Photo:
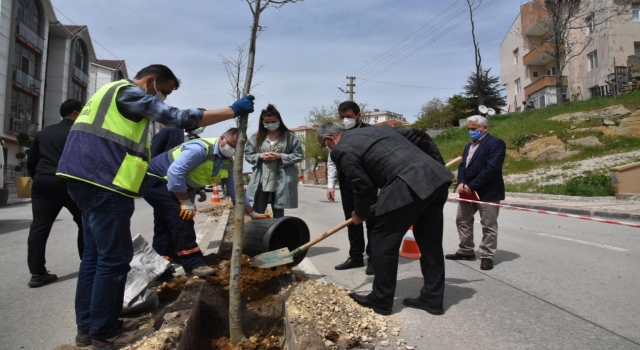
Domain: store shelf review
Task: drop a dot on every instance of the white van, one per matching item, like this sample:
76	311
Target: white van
4	191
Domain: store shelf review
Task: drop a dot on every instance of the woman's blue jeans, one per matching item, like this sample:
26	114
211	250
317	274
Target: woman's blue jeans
108	250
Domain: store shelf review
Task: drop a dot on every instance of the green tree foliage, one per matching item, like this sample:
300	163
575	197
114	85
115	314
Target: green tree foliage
314	154
434	114
492	91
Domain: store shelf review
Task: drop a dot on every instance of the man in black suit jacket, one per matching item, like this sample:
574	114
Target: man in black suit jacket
480	172
49	192
413	191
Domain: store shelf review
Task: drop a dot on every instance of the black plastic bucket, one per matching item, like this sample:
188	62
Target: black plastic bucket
265	235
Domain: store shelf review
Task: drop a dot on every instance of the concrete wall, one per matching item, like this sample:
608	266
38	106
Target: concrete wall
98	77
6	24
58	77
509	70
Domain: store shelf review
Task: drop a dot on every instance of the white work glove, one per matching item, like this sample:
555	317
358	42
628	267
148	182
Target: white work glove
258	216
187	210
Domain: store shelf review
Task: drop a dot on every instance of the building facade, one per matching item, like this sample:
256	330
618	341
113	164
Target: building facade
529	73
378	116
42	64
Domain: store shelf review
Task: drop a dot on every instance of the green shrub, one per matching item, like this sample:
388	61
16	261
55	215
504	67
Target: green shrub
590	186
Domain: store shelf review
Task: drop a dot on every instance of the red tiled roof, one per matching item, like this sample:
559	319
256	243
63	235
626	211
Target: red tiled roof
113	64
392	123
73	29
300	128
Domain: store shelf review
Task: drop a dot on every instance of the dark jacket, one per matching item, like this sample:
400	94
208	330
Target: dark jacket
484	173
424	142
46	148
166	139
381	158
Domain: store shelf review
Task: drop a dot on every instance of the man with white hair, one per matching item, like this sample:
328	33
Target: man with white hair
480	173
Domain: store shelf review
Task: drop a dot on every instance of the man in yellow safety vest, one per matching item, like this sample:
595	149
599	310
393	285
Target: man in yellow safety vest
105	161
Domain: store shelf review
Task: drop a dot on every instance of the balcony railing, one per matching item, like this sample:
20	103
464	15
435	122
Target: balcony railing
539	55
546	81
26	81
81	76
27	34
18	125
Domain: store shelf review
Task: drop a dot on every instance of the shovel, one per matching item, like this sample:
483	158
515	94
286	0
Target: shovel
283	256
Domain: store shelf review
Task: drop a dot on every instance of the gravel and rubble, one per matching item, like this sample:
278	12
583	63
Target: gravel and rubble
340	321
558	174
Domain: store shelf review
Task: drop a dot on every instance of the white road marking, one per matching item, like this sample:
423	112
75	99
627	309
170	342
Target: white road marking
585	242
310	270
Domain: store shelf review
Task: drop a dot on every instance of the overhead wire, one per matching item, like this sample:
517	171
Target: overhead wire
411	44
403	40
376	73
94	40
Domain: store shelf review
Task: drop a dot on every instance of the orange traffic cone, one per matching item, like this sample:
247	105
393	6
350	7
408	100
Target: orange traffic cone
409	247
215	195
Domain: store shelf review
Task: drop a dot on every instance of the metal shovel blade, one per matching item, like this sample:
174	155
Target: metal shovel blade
273	258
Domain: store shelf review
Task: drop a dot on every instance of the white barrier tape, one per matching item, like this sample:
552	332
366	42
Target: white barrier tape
549	212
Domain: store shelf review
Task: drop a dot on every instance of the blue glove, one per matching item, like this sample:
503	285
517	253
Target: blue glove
243	106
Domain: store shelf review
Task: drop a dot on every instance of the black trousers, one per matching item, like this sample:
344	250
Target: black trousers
355	233
48	195
386	238
261	200
173	237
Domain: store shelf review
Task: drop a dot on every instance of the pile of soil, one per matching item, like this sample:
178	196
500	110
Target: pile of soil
341	322
262	309
216	210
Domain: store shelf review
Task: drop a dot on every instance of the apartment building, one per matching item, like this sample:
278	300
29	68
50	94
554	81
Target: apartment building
42	64
378	116
529	73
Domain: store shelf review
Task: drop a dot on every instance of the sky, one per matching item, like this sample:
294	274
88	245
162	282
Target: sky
403	53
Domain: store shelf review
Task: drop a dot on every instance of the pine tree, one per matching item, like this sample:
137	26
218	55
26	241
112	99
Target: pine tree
490	88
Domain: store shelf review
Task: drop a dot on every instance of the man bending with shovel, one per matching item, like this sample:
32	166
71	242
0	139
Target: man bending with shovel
413	191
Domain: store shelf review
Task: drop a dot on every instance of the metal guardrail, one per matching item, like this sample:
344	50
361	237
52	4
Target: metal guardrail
81	76
26	81
10	173
30	36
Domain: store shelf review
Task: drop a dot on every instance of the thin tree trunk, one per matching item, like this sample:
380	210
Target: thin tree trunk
476	50
235	301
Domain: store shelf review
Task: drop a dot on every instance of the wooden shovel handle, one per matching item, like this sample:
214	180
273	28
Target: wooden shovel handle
454	161
330	232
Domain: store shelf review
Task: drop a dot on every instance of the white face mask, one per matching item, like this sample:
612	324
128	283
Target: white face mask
348	123
271	126
158	94
198	131
227	151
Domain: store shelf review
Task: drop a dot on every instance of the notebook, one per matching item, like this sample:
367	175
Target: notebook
471	196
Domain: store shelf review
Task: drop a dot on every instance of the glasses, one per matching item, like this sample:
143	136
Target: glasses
324	144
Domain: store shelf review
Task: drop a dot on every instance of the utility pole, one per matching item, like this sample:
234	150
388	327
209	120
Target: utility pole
351	85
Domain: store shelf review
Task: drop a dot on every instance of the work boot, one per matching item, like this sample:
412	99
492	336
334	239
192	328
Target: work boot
40	280
203	271
350	264
120	339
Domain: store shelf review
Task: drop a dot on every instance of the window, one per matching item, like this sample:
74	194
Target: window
551	71
541	101
591	24
80	55
636	13
29	14
593	60
636	47
23	106
518	86
516	56
77	92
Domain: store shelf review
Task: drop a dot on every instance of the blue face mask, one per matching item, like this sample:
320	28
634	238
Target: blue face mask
475	134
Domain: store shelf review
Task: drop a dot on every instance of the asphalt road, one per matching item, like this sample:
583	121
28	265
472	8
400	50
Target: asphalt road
558	282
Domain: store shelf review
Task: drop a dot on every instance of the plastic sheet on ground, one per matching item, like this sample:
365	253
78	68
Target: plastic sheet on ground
146	265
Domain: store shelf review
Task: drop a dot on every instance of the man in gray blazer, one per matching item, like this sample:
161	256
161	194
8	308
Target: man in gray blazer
413	191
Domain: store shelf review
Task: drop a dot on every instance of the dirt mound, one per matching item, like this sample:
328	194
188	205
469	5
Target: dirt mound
341	322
